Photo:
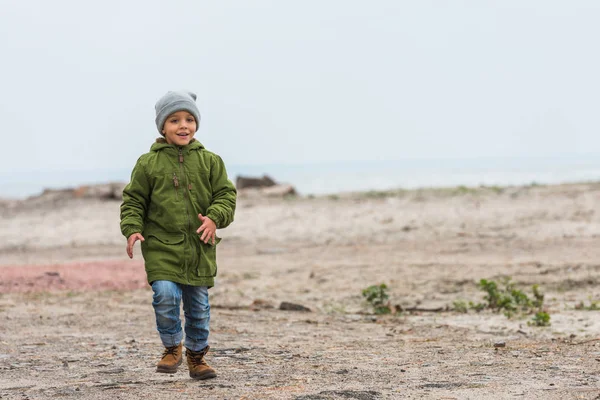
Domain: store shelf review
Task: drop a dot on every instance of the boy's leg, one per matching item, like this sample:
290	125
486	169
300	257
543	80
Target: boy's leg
197	318
166	303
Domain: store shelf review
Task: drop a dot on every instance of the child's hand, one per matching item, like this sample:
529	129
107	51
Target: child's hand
131	241
209	228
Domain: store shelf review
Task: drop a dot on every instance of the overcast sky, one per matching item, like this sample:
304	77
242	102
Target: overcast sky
299	81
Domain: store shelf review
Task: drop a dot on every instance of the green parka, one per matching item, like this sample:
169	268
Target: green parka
169	187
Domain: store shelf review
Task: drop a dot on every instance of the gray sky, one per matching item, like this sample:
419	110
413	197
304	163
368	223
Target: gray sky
299	82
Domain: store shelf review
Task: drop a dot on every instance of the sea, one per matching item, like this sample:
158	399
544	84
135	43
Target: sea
349	176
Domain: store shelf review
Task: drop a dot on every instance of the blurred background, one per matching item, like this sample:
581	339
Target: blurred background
326	95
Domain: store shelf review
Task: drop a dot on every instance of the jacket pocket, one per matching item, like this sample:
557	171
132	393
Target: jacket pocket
208	259
164	251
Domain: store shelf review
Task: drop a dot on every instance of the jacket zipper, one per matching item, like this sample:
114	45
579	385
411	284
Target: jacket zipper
187	211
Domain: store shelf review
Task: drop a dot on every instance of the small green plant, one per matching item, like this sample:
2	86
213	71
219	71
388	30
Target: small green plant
505	300
509	300
377	297
540	318
477	306
539	296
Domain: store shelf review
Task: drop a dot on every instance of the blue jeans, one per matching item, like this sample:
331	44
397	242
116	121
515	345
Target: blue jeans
166	301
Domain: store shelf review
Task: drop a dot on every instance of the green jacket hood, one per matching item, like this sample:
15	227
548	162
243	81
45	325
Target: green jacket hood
162	144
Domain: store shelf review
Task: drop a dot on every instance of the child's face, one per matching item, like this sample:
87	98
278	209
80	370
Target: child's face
179	128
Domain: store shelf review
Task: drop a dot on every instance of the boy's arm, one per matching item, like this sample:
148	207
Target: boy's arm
136	197
222	208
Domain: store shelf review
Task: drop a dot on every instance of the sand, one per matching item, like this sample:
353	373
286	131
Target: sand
78	322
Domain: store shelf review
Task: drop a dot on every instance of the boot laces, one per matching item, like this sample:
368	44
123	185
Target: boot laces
197	358
170	351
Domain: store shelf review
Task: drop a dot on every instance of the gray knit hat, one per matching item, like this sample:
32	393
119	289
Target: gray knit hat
181	100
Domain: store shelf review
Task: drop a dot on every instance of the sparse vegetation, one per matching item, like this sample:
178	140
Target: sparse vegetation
420	194
508	299
495	189
460	190
460	306
373	194
382	194
540	318
378	298
593	306
504	297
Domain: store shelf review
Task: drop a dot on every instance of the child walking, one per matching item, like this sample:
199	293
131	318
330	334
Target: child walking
178	196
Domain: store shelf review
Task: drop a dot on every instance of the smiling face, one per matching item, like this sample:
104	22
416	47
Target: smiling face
179	128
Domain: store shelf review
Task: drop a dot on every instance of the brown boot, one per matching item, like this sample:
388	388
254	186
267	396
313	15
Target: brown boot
171	359
199	369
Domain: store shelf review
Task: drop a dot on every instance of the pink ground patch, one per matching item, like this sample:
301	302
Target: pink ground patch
100	275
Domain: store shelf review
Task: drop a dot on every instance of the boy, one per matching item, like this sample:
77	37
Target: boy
178	196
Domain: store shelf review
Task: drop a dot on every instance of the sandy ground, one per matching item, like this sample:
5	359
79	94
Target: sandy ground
77	319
